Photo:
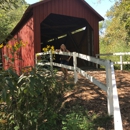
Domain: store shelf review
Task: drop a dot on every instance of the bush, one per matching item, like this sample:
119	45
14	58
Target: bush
30	101
77	121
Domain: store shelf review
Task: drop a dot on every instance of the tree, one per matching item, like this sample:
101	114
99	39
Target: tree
11	4
9	17
117	33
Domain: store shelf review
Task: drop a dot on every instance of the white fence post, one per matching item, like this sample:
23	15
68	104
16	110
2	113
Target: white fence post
116	107
109	88
97	57
121	54
51	61
121	61
75	67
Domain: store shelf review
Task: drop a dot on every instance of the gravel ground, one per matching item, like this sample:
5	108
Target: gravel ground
94	99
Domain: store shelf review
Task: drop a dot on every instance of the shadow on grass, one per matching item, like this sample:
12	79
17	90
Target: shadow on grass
79	113
76	117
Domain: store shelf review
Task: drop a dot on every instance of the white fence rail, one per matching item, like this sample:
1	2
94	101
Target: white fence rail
110	87
120	54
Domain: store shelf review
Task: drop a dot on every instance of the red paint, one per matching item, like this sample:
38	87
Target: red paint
75	8
25	53
28	29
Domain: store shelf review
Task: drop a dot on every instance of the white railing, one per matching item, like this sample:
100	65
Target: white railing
120	54
110	87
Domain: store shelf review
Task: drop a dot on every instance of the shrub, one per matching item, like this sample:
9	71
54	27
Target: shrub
30	101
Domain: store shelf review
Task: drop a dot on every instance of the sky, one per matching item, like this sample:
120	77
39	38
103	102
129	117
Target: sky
101	7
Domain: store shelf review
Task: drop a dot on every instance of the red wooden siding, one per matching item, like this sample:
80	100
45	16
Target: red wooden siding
28	29
27	35
26	53
74	8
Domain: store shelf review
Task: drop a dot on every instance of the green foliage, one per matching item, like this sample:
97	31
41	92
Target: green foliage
78	118
10	4
117	31
116	37
14	54
31	101
77	121
9	17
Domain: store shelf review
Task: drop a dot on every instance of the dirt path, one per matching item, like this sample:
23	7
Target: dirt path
94	99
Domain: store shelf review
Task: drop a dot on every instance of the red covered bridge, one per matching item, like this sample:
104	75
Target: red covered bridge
53	22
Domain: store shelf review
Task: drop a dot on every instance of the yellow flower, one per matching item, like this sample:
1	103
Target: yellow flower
9	46
15	45
48	46
1	45
44	49
24	44
52	48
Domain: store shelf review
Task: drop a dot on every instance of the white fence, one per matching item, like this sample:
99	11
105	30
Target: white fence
120	54
110	87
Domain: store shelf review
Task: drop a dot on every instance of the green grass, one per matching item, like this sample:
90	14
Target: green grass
78	118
